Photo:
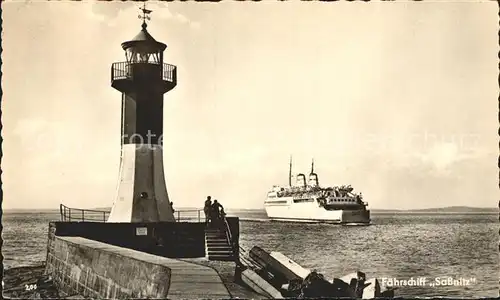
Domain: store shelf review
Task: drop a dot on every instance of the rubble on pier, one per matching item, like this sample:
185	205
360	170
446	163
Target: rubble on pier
277	276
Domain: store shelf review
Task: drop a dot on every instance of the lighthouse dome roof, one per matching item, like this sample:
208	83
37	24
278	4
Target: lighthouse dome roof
144	42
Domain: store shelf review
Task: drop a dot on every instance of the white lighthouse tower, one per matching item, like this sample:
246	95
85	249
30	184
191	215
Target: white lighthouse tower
142	79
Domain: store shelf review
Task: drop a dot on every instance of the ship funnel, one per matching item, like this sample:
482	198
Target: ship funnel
313	177
301	180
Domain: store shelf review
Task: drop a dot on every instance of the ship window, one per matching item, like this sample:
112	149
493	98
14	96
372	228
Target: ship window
276	202
303	200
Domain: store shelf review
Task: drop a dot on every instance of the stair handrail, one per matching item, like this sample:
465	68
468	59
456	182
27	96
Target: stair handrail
229	238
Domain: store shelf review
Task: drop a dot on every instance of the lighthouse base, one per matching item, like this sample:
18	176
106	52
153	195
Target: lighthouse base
142	193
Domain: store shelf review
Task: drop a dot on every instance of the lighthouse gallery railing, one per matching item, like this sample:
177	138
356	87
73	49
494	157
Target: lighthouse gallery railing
122	70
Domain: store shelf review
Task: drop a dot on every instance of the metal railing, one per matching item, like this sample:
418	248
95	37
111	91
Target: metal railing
69	214
123	70
169	73
189	215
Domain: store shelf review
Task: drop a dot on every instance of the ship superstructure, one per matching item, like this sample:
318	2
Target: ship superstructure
307	201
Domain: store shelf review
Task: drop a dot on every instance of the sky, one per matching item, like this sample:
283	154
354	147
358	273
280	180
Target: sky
398	99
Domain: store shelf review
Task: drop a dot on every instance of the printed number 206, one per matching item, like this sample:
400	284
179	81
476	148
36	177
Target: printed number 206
30	287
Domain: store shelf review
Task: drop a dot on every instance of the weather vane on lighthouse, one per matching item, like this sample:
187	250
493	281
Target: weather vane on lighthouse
145	14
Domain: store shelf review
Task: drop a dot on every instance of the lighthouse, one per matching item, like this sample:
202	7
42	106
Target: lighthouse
143	78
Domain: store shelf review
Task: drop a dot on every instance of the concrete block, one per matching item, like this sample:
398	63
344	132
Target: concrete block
259	285
372	290
290	264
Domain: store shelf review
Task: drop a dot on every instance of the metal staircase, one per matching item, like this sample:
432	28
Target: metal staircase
218	243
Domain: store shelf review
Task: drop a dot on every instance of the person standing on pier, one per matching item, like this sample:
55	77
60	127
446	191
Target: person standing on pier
207	209
216	211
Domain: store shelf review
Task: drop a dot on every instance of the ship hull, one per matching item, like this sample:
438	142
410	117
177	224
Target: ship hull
311	212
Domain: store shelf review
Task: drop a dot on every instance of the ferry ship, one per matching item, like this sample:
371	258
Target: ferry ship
307	201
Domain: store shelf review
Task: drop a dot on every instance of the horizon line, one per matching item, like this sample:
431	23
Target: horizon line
262	208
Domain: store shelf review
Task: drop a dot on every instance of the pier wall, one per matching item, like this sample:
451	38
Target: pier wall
168	239
113	260
84	267
165	239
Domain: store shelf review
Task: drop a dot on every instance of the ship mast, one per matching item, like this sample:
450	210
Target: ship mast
313	177
290	173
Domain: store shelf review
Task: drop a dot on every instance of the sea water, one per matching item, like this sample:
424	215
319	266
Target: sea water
423	254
